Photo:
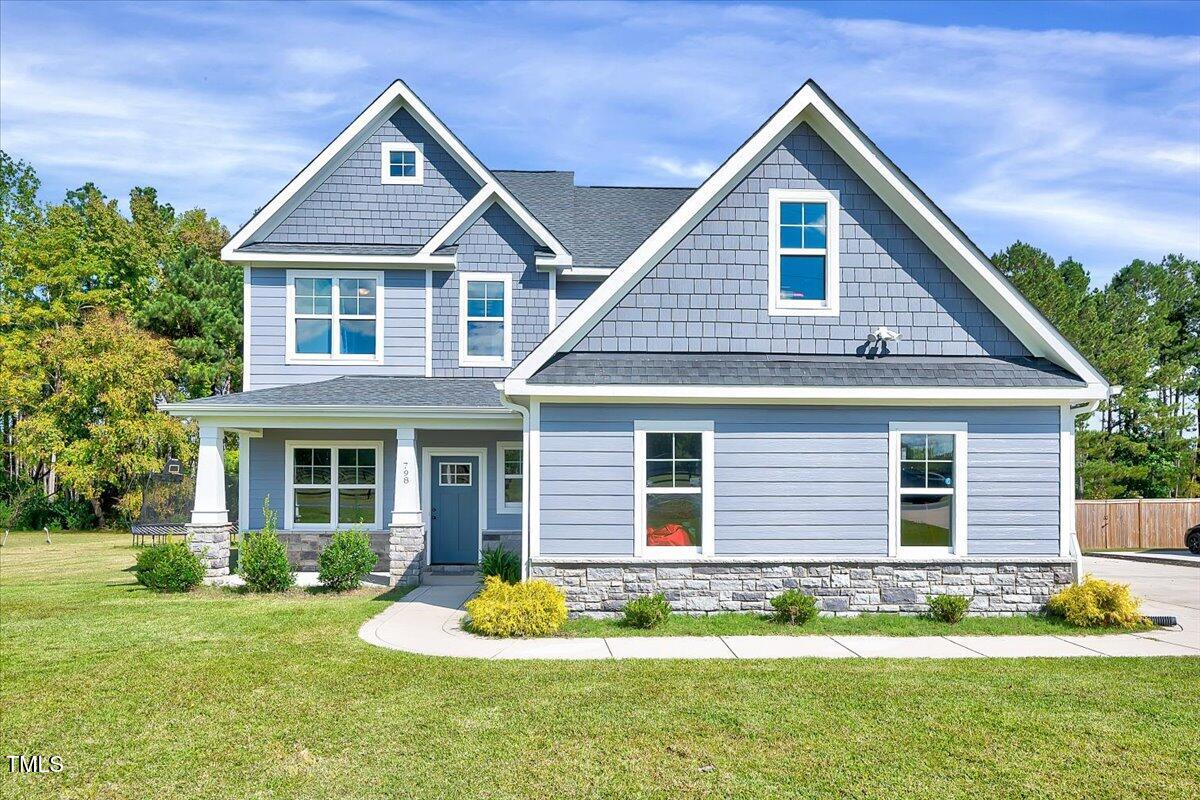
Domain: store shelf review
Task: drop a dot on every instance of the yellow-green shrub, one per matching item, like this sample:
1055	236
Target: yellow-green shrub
1096	603
528	608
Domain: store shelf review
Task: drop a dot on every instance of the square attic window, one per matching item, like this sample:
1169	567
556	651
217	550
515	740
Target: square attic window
402	163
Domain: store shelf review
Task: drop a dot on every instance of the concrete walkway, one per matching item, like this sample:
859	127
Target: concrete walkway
429	619
1180	558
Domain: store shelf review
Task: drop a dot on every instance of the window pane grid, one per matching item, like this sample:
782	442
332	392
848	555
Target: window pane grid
485	301
334	481
345	305
673	501
402	163
927	494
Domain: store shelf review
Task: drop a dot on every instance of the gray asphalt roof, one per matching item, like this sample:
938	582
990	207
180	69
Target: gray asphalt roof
599	225
753	369
364	390
341	249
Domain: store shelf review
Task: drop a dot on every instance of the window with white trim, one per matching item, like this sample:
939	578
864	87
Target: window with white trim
674	514
402	162
454	473
485	319
929	504
803	241
334	316
510	477
334	485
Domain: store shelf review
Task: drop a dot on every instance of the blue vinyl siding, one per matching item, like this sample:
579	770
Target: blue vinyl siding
403	331
569	294
801	480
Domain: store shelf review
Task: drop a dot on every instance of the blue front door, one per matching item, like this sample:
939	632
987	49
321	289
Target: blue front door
454	509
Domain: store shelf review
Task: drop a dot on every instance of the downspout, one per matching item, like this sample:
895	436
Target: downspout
1077	411
525	482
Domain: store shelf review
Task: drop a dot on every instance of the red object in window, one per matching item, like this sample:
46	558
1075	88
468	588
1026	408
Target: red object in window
670	535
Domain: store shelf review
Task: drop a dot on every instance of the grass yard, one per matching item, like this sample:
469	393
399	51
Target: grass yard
735	624
218	695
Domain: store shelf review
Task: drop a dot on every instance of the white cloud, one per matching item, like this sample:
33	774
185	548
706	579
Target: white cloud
695	171
323	61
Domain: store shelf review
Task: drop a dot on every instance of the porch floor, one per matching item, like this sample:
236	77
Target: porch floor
429	620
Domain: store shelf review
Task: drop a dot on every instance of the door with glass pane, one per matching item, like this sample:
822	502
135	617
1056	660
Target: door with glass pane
454	510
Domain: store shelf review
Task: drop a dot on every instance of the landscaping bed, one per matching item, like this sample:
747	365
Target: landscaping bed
218	694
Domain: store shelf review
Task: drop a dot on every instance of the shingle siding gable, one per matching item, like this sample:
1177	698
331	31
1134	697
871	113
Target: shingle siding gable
709	294
495	243
353	206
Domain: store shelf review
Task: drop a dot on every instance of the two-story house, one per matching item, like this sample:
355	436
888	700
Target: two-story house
800	373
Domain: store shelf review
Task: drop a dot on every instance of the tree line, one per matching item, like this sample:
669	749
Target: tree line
105	313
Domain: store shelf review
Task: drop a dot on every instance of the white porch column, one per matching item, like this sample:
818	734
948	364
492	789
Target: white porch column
208	532
210	507
407	526
406	501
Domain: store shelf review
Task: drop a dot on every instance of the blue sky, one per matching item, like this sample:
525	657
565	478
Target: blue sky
1072	126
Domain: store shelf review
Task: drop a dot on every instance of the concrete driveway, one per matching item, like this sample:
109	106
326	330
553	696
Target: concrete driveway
1164	589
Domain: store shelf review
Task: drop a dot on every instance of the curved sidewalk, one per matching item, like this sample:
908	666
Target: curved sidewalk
428	621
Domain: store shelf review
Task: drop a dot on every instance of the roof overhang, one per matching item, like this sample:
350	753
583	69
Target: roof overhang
816	395
397	95
810	104
318	416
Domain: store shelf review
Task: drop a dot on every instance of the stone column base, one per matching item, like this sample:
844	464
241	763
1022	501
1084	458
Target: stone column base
407	552
211	544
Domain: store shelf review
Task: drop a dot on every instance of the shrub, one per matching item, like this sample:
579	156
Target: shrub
949	607
1096	603
528	608
262	558
647	612
169	568
504	564
346	560
794	607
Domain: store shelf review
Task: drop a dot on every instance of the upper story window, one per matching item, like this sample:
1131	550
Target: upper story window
402	163
334	317
485	319
673	467
803	257
928	503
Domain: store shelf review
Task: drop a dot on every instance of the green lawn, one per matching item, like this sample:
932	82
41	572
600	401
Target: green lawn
218	695
735	624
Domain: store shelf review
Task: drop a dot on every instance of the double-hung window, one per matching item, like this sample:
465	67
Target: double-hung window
673	470
402	162
333	484
928	504
803	252
334	316
510	477
485	319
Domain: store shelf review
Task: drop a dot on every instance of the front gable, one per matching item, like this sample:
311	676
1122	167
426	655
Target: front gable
353	205
900	247
710	293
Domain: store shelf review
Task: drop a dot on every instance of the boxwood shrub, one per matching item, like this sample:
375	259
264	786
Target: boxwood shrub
171	567
794	607
262	558
949	608
647	612
346	559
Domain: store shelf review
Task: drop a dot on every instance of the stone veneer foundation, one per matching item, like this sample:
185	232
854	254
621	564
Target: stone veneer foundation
600	587
211	544
406	551
304	548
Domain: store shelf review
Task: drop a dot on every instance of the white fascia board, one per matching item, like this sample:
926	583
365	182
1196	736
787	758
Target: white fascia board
835	395
809	105
316	259
585	273
462	220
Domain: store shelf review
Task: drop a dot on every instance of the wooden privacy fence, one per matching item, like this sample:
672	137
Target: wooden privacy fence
1117	524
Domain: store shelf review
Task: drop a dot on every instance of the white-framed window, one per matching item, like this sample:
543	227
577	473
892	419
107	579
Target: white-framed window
333	485
402	162
334	316
804	277
510	477
927	477
673	475
485	319
454	473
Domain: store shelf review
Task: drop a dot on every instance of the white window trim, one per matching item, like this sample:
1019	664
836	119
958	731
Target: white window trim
707	484
777	306
502	506
386	150
289	522
958	548
465	360
334	357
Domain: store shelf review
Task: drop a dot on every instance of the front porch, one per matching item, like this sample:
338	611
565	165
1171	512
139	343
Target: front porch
432	487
